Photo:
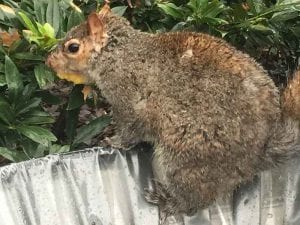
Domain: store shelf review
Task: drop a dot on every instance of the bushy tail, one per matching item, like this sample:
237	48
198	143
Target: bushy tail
290	99
285	142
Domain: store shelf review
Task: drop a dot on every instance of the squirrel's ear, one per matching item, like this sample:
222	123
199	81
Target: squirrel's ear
104	11
95	25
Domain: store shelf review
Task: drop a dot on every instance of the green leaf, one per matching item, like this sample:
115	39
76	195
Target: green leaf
256	6
283	16
6	12
40	10
48	97
88	131
197	5
35	117
31	37
213	21
296	31
3	127
34	113
71	123
45	41
53	14
28	56
12	155
13	78
28	23
37	134
76	98
214	8
74	19
179	26
55	149
6	114
24	107
48	30
171	9
28	90
119	10
8	154
262	28
38	120
2	80
43	75
30	148
37	152
2	70
2	51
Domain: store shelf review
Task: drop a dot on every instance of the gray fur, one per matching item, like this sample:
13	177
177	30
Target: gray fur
211	111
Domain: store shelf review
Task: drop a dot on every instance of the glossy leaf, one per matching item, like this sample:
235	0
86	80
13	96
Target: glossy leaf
2	51
37	134
88	131
40	10
296	31
262	28
46	30
71	123
43	75
284	15
171	9
76	98
49	98
28	23
74	19
214	8
38	120
24	107
38	113
35	117
38	152
53	14
13	155
6	114
2	80
13	78
55	149
119	10
28	56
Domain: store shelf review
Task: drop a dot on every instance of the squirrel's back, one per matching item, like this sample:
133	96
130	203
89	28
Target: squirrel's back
212	92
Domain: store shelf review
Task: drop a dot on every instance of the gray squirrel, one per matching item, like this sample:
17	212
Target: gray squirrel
212	113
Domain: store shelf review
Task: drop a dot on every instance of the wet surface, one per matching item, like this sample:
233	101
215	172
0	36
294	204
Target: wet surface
105	187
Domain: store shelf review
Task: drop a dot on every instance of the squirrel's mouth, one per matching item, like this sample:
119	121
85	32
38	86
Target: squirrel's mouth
58	66
75	78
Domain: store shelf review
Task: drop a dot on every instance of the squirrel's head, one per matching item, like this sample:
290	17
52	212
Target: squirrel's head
71	58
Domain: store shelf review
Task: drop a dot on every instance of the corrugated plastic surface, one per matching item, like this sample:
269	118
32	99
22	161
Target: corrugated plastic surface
105	187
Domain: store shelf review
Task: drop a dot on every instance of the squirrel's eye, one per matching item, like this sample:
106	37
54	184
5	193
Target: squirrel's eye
73	48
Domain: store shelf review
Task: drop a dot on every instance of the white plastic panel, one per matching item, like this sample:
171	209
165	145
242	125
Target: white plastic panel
105	187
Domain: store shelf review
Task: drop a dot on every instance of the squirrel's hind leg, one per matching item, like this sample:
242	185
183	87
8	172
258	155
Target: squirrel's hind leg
168	205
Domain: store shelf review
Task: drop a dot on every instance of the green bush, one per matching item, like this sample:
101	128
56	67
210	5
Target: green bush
268	31
26	129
